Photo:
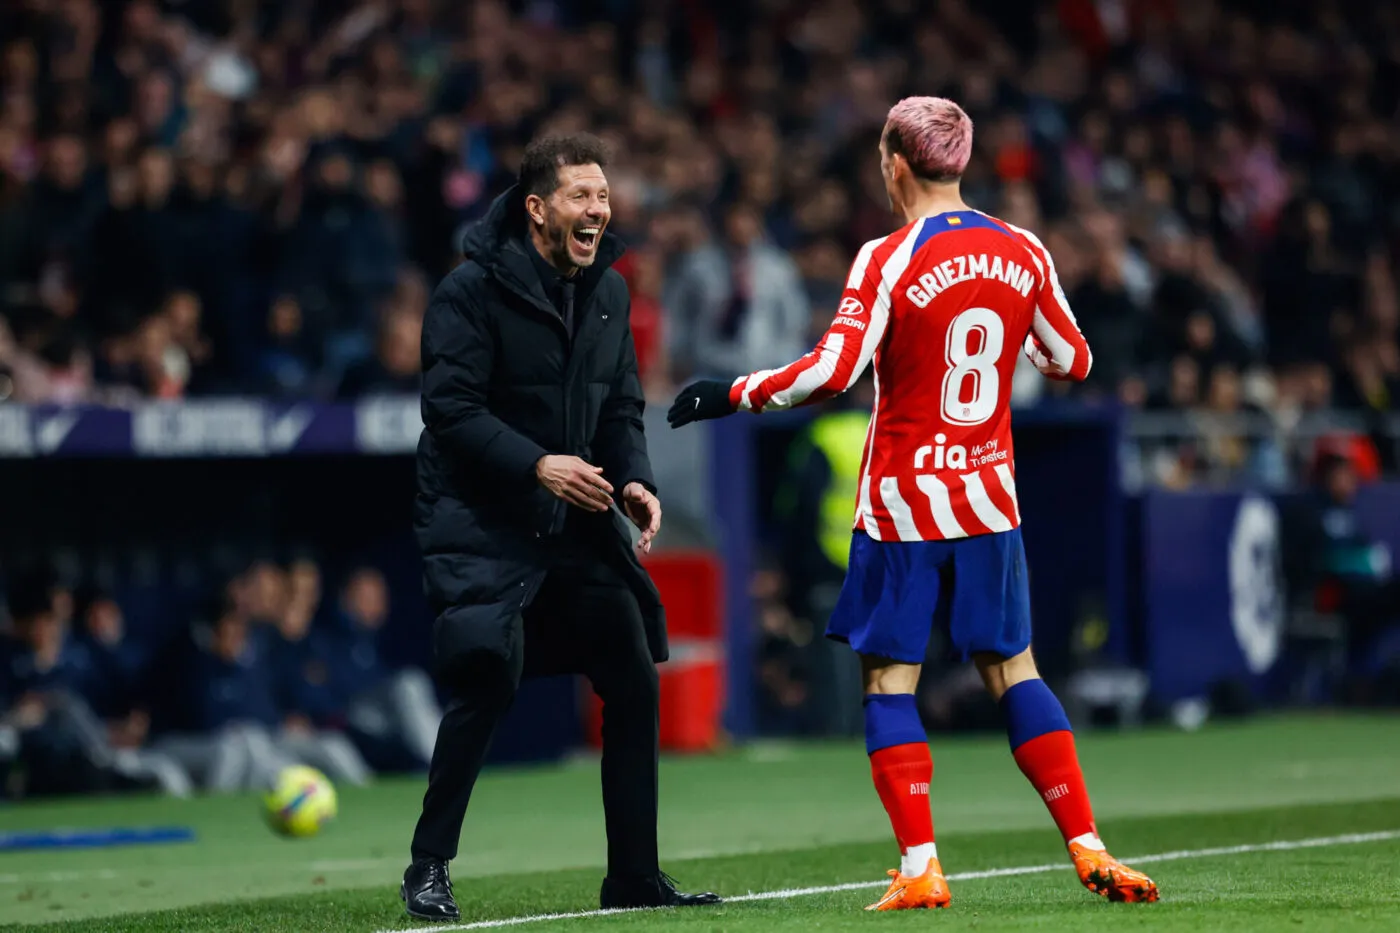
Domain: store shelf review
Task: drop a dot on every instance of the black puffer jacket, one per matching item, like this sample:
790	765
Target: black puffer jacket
503	385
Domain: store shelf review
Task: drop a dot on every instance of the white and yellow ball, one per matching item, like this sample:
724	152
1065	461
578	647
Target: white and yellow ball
301	801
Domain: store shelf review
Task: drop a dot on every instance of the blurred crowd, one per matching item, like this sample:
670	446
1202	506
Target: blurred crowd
269	674
247	195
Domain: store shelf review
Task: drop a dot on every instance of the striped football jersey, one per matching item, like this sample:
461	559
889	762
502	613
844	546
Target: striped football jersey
942	307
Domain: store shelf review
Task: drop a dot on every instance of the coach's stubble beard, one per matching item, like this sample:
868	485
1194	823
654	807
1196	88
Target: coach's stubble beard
562	251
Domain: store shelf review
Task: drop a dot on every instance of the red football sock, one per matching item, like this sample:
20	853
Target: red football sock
902	774
1051	764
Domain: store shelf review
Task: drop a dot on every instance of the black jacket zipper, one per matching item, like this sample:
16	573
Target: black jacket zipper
560	512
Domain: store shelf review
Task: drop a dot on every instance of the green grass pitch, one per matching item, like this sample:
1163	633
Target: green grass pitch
771	817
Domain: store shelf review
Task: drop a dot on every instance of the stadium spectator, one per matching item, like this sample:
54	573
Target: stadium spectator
738	302
39	659
116	259
55	369
290	357
65	204
239	738
395	366
393	715
1226	451
114	666
1106	282
300	659
330	261
64	746
222	700
645	277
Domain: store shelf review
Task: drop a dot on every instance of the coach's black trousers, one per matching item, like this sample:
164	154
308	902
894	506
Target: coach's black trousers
583	620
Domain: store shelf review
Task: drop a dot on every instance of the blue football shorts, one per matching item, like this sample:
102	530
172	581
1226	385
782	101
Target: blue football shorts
896	591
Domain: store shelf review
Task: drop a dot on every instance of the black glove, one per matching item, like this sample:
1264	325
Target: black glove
700	401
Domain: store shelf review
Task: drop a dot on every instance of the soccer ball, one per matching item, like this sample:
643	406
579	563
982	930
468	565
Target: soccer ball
300	802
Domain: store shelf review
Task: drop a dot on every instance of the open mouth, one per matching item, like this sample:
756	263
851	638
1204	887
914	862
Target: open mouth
586	237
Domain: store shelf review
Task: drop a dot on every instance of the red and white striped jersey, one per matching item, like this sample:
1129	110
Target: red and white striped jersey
942	306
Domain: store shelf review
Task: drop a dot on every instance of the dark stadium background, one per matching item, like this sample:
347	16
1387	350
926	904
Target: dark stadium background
246	204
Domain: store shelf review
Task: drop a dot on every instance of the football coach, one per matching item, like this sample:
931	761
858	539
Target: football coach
532	449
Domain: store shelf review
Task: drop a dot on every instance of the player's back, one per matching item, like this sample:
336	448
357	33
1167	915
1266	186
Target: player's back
964	292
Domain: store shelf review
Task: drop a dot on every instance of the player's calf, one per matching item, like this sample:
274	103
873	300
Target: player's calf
1042	743
902	770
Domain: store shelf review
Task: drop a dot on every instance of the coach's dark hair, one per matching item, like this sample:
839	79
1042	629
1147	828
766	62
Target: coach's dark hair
539	167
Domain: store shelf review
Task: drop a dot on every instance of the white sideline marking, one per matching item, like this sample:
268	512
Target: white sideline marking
1282	846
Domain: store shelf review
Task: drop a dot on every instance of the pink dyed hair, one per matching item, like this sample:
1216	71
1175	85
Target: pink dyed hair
933	134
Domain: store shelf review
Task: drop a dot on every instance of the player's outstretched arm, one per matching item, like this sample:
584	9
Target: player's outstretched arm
832	367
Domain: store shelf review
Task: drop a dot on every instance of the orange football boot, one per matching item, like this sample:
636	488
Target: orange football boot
927	890
1103	874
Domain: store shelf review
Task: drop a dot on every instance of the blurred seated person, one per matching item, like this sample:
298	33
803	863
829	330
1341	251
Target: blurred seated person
64	746
332	677
1334	565
36	677
237	738
300	658
393	714
114	667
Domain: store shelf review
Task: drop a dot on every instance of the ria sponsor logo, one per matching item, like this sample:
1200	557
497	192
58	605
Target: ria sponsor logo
952	458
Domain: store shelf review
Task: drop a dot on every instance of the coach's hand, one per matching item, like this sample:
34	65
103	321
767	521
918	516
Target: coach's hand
645	511
576	481
700	401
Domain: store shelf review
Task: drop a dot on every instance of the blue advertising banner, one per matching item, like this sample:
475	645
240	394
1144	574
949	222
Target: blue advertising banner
1212	588
212	428
1214	601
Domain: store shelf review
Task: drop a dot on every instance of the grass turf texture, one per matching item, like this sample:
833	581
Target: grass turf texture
778	816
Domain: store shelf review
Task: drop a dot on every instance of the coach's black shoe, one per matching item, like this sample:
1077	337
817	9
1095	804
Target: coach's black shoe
427	891
657	891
